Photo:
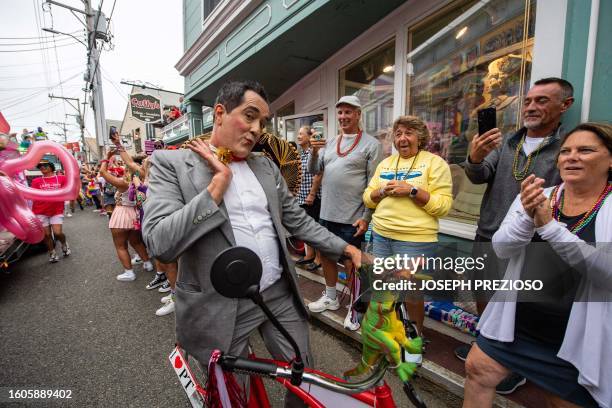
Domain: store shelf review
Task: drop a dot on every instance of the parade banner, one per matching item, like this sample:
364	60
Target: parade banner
145	108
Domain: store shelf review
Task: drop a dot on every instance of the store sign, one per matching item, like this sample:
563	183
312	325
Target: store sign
145	108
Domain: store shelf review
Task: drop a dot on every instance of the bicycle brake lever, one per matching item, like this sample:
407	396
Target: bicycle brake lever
413	396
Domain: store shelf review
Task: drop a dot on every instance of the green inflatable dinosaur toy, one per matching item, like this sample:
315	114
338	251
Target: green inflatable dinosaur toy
384	335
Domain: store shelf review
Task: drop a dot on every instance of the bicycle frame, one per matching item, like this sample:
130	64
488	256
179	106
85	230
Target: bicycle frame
313	395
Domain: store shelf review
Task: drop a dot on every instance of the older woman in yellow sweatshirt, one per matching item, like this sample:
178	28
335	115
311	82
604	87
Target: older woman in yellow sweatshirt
409	191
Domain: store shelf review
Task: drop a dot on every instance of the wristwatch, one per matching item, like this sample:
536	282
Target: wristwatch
413	192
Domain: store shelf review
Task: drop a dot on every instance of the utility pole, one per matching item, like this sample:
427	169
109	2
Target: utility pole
61	125
80	119
95	77
96	29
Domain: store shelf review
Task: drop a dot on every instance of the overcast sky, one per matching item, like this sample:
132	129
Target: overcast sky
147	44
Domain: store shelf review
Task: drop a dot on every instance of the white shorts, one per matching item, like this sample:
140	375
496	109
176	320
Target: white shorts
53	220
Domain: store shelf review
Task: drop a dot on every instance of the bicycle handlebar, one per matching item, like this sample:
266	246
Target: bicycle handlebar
248	366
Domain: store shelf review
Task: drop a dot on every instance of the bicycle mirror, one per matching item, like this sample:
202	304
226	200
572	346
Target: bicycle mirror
234	271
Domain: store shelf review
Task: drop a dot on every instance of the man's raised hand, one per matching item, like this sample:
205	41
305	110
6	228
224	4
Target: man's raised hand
222	173
484	144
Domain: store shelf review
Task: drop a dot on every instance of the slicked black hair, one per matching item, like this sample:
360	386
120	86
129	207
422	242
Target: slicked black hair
231	94
567	90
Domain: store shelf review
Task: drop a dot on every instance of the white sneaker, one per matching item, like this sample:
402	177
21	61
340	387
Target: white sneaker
148	266
53	257
165	299
348	324
166	309
127	276
66	250
136	259
165	287
69	215
324	303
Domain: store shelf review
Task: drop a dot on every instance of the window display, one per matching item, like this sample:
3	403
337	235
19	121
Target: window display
481	59
371	79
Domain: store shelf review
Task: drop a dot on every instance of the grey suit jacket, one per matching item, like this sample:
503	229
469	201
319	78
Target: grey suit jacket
182	221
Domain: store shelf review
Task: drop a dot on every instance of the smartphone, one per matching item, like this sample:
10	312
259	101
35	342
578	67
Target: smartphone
487	119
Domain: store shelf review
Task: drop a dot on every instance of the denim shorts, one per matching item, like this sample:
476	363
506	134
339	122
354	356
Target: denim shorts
388	247
343	231
538	362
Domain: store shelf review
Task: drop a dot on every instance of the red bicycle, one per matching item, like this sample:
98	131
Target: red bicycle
316	388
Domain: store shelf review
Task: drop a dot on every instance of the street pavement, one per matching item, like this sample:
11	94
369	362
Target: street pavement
73	326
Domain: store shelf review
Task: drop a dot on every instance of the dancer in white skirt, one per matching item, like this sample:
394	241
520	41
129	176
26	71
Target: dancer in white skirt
125	222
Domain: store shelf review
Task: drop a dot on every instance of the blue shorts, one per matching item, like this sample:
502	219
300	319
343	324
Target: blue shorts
538	362
343	231
388	247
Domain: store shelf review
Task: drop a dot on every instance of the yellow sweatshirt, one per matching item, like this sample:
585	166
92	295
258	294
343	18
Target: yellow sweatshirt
400	218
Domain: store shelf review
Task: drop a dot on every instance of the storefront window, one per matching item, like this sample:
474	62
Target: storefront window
208	6
279	124
371	79
292	124
481	59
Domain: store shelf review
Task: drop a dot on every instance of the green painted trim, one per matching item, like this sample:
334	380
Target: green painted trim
602	73
293	15
574	54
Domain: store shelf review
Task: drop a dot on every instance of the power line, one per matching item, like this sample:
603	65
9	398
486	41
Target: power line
33	113
111	16
59	75
30	38
63	39
30	74
42	53
27	97
32	63
113	83
41	49
28	110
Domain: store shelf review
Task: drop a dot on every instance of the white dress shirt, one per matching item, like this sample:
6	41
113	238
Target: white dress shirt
247	207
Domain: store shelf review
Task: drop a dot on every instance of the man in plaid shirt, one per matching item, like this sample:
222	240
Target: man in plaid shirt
309	196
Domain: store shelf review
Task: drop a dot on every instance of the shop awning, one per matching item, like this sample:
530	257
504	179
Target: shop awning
295	48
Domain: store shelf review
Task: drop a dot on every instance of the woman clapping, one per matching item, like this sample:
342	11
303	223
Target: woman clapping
559	338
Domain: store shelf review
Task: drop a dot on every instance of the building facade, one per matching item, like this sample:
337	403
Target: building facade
440	60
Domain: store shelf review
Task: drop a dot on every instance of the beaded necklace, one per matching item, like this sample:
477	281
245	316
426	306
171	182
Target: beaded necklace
520	174
416	156
355	143
557	208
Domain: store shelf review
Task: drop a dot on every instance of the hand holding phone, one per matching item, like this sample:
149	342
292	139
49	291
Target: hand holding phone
317	141
487	120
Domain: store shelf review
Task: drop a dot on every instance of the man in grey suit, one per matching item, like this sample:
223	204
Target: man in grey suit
197	206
